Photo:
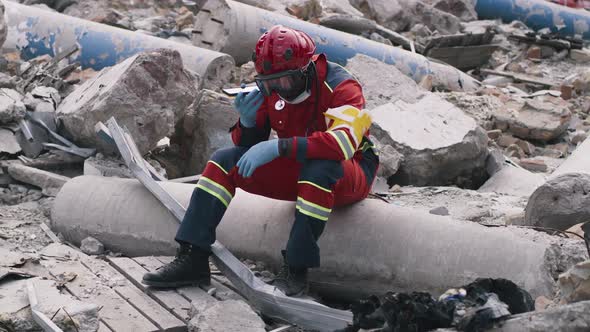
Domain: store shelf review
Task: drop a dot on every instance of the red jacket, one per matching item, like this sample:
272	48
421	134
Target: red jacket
303	126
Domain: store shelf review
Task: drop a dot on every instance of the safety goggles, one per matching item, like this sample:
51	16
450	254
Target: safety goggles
284	83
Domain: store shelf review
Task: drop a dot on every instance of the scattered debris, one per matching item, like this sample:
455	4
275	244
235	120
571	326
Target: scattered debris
574	285
101	165
463	51
91	246
571	317
474	307
212	318
543	118
66	312
12	108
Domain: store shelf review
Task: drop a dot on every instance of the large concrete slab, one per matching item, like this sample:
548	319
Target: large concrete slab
441	145
148	93
401	249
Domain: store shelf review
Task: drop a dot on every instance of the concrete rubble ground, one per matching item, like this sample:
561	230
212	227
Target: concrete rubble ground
505	158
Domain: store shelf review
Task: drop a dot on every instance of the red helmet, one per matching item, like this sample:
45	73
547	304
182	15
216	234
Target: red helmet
281	48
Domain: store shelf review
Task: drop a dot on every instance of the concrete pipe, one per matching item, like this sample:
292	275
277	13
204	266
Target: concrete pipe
367	248
34	32
233	28
537	15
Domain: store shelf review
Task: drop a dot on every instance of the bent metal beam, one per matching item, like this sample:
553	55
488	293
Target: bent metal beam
35	31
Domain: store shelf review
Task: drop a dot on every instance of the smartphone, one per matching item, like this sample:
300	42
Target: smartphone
235	91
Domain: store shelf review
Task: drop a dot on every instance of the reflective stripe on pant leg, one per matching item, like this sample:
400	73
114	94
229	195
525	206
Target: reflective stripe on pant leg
314	205
215	189
312	210
210	199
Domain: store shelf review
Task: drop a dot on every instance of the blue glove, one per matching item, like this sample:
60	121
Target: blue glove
258	155
247	105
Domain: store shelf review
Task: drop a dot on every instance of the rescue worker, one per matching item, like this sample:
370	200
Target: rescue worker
321	159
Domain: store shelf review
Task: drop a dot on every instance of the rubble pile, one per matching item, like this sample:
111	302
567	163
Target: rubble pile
506	153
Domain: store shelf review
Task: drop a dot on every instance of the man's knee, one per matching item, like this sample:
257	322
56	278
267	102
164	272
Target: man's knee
322	172
227	158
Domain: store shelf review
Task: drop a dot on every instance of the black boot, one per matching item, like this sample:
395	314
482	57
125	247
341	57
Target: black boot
291	281
189	267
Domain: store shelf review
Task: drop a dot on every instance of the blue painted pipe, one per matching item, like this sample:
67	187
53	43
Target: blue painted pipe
34	32
537	15
240	26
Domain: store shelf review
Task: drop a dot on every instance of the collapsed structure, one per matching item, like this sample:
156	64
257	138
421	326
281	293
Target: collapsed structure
484	163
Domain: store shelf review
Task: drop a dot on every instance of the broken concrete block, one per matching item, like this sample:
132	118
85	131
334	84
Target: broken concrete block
382	83
203	129
578	136
49	182
534	53
439	211
582	56
185	20
148	93
567	318
541	303
7	81
441	145
494	162
494	134
15	312
399	15
512	180
562	148
463	9
526	147
505	140
561	202
388	13
542	118
581	82
389	160
227	316
247	72
12	108
91	246
574	285
533	165
575	232
514	151
8	142
100	165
